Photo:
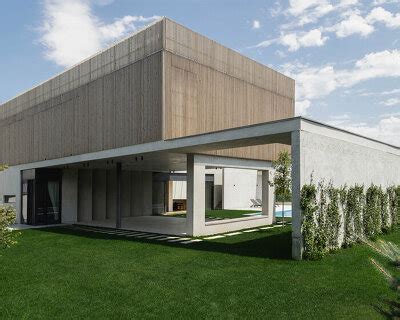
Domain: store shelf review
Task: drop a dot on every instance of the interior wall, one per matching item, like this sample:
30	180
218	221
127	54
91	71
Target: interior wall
97	194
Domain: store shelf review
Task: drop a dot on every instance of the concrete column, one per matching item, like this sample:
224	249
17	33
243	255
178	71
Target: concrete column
126	193
195	217
85	195
136	203
169	196
99	194
118	220
111	194
147	193
18	198
268	192
297	179
69	196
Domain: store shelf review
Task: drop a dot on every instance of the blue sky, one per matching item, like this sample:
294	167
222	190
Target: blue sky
343	54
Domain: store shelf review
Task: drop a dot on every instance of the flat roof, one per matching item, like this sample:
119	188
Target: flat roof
278	131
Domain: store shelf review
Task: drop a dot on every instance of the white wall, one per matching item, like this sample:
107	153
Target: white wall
333	155
233	188
179	189
10	185
9	182
346	163
239	186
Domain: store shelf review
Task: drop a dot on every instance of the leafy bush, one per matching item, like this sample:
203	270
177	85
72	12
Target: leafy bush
384	208
7	235
333	217
393	204
308	204
365	215
372	213
353	215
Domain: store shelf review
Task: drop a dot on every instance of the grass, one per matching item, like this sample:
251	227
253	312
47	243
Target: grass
62	273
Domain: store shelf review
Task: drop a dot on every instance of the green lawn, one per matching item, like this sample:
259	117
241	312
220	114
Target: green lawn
62	273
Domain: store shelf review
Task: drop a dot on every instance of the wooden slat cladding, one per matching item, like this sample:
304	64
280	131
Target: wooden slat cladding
187	43
136	47
209	87
119	109
200	99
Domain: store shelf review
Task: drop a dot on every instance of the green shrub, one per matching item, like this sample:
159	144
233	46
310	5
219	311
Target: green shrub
365	215
308	204
321	239
333	217
7	235
384	208
372	213
353	215
394	204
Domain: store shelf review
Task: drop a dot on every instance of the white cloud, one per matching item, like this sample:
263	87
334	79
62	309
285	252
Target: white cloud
380	2
391	102
381	15
306	11
317	82
387	129
353	24
256	24
299	7
389	92
347	3
295	41
71	32
302	106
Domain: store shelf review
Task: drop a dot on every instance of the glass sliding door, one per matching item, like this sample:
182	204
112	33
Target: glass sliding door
41	197
47	206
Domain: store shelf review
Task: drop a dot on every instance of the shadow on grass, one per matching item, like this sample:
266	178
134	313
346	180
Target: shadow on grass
271	244
389	309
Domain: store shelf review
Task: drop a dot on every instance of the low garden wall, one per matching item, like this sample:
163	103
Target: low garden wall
345	189
339	217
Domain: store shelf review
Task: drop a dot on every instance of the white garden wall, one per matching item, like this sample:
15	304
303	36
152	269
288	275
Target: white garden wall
330	154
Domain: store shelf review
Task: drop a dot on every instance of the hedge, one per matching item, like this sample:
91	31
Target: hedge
339	217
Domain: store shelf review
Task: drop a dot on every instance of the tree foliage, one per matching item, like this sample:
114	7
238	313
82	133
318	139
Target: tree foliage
282	176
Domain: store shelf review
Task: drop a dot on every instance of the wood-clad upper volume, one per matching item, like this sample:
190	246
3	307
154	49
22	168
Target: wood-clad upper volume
162	82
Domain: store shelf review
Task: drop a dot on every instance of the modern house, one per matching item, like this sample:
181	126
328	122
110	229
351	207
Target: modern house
103	142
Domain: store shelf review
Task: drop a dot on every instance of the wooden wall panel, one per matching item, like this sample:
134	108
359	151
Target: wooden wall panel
120	109
194	46
209	87
140	45
200	99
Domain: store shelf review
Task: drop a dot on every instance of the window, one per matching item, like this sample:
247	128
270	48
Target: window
9	199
